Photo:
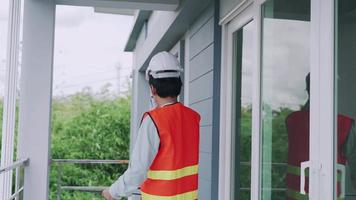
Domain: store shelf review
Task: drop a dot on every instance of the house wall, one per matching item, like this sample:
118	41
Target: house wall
201	79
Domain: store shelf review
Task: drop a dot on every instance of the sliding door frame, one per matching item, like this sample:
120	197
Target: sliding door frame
322	103
246	12
322	109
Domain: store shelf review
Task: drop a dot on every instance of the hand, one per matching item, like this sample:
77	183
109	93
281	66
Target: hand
106	194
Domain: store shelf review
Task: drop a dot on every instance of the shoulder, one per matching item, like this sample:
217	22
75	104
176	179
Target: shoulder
343	119
146	119
297	115
191	111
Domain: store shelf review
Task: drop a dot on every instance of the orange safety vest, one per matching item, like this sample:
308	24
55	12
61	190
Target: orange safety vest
174	171
298	150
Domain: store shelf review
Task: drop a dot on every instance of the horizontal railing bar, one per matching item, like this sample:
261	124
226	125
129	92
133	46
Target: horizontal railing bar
271	189
275	189
15	194
86	161
84	188
280	164
14	165
89	189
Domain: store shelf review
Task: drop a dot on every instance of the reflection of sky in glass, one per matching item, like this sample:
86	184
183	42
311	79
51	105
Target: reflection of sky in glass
285	62
247	65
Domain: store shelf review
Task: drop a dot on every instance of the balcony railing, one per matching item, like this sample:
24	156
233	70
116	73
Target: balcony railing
95	189
18	166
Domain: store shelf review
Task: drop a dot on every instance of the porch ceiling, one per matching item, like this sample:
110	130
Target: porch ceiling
165	5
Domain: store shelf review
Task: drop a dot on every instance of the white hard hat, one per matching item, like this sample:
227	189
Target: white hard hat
164	65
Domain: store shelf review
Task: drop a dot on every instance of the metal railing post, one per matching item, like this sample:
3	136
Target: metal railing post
17	166
17	183
59	181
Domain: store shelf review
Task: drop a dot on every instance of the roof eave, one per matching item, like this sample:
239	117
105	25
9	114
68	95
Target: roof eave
140	18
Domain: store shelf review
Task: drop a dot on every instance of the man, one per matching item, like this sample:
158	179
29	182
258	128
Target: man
164	161
298	148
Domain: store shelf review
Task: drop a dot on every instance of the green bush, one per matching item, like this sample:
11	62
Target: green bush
85	127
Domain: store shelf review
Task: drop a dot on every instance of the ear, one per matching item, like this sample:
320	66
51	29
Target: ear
153	90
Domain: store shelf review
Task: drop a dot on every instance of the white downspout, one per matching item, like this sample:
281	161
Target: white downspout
9	114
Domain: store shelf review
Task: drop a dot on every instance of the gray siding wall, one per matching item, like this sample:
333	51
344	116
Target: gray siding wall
201	61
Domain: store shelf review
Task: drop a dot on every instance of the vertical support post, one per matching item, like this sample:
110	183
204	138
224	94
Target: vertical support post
322	102
59	181
17	184
140	103
36	91
256	106
216	100
9	114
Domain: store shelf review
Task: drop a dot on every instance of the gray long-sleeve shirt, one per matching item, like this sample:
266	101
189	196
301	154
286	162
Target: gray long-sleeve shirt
143	154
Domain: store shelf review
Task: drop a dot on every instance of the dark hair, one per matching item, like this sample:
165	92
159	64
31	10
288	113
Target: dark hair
307	82
166	87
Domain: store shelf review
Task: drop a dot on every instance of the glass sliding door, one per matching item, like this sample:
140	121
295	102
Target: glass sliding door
242	112
285	83
345	98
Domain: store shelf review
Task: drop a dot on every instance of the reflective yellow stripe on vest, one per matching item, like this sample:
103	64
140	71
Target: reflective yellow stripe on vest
185	196
172	174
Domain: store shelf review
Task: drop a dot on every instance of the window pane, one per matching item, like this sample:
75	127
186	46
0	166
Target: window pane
285	99
242	62
345	145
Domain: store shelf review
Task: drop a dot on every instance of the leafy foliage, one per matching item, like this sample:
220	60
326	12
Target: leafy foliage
278	148
84	127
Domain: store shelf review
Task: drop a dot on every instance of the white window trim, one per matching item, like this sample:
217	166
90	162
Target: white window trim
249	13
177	51
322	102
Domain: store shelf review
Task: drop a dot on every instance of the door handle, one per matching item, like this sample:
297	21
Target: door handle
303	167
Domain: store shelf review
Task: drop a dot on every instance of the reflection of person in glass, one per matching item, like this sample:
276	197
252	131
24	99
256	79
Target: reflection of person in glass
298	147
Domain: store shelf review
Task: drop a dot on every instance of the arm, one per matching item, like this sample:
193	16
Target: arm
143	154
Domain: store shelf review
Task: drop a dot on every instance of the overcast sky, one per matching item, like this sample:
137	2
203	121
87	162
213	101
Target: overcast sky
88	49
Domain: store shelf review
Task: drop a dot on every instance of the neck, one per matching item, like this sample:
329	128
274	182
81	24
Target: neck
164	101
